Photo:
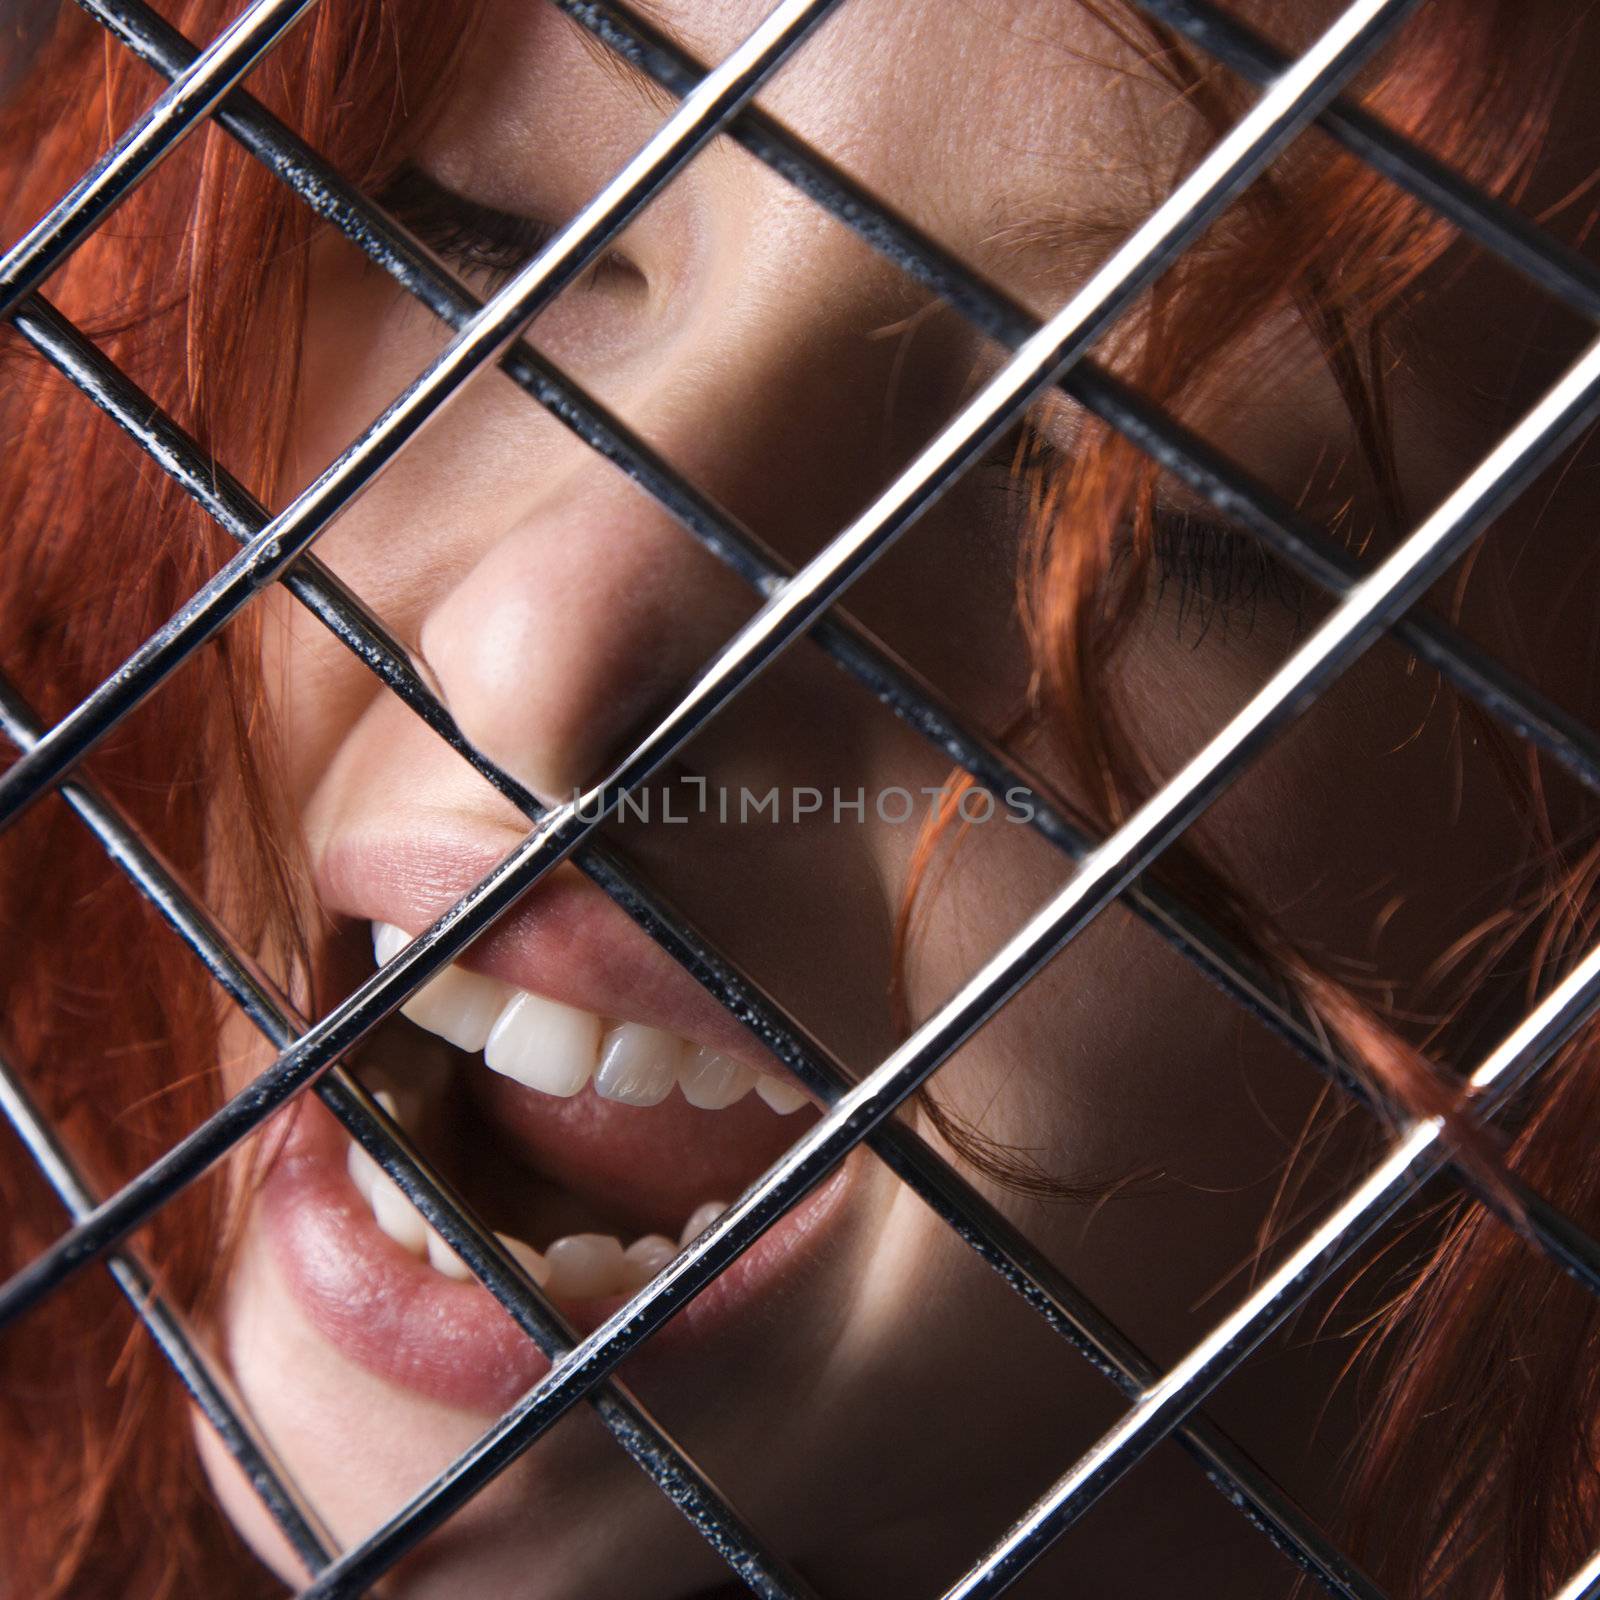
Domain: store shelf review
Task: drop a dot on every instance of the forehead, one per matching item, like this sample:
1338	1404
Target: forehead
976	117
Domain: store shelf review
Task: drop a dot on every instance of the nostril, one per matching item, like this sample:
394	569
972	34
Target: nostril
425	670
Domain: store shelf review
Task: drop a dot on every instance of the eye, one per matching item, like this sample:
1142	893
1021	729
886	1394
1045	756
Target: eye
482	242
1214	575
1206	574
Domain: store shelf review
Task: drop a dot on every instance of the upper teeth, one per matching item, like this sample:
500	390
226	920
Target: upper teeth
557	1049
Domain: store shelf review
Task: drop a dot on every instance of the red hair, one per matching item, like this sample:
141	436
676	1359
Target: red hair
108	1015
115	1026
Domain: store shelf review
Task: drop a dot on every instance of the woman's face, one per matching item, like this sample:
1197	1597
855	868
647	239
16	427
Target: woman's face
868	1393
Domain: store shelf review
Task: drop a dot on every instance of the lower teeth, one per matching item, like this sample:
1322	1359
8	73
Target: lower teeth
578	1266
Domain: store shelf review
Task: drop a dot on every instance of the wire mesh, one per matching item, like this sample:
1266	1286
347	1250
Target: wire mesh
204	84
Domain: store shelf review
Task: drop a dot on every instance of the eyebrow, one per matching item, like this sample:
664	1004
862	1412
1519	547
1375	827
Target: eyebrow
1056	250
1050	247
616	60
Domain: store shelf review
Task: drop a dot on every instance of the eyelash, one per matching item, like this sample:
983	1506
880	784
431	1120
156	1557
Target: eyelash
474	237
1218	574
1212	572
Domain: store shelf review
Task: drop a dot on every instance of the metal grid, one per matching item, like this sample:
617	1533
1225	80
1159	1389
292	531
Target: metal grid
273	549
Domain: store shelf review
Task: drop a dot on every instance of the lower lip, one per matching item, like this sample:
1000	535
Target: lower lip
451	1341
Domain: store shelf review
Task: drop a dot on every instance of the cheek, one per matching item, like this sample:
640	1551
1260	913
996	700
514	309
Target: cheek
1369	831
362	342
1378	832
1117	1057
317	691
1367	834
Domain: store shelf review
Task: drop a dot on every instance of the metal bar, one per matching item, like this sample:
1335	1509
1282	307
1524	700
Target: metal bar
1498	227
1332	647
1584	1584
1528	713
784	617
893	682
1227	486
365	1119
1491	222
1413	1159
997	1243
173	117
888	678
486	337
1490	663
242	517
211	1391
978	1224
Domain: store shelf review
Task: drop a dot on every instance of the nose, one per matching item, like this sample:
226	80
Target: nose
572	627
765	381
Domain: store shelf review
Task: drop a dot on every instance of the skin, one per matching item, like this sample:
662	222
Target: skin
886	1415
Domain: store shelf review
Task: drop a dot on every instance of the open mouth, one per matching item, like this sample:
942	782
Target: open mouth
597	1148
595	1144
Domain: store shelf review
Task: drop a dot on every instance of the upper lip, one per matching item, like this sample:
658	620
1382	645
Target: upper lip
564	940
